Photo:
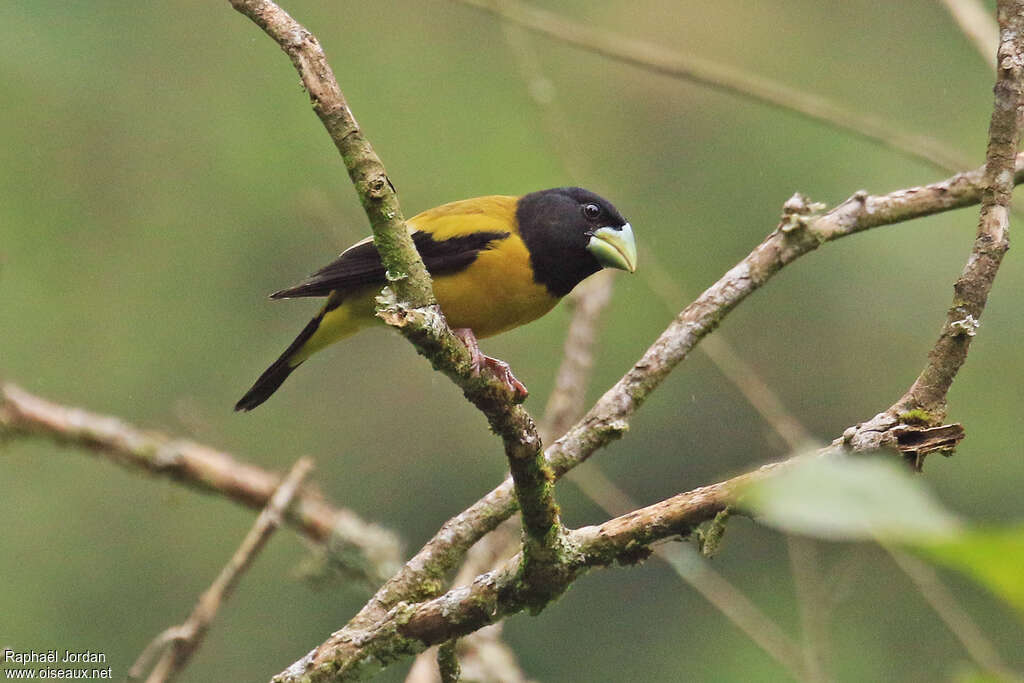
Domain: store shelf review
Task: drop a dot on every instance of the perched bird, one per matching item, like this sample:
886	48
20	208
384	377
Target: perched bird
497	262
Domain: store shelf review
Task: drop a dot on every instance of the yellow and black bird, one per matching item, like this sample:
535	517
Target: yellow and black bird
497	262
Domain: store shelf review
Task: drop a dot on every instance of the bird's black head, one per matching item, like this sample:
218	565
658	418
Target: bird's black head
572	233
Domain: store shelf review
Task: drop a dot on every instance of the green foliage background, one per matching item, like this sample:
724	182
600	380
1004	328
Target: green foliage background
161	172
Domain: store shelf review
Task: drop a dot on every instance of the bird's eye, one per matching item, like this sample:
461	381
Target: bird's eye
591	211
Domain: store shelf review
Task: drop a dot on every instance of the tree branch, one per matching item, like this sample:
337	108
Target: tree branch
179	643
410	628
411	306
364	549
612	411
549	549
971	290
799	233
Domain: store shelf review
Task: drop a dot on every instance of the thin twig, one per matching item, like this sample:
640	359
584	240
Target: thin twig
567	400
813	603
363	549
959	622
724	78
180	643
701	576
730	363
977	24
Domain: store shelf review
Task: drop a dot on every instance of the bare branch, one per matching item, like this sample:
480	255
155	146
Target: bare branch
799	233
970	293
567	400
733	367
724	78
366	550
180	643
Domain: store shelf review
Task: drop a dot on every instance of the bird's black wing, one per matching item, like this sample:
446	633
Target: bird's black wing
359	265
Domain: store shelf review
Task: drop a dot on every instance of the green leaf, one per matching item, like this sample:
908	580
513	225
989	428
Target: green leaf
992	557
841	497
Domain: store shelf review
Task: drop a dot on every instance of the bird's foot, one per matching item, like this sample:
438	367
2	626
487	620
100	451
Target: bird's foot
499	368
503	372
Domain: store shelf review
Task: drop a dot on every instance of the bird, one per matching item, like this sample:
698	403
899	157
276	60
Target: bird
497	262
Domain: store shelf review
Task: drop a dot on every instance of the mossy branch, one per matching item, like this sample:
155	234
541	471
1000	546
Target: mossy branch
611	413
411	628
412	308
552	557
800	232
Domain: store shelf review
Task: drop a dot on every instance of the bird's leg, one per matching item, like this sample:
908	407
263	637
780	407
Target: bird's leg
500	368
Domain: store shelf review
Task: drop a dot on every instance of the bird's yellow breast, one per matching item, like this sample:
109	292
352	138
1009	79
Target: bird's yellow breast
495	293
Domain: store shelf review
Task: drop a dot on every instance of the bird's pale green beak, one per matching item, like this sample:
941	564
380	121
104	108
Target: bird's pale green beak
614	247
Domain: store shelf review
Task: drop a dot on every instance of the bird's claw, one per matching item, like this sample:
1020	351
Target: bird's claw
503	372
498	368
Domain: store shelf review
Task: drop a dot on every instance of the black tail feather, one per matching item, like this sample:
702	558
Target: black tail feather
276	374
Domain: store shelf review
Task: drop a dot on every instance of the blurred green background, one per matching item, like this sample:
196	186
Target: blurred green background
162	171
